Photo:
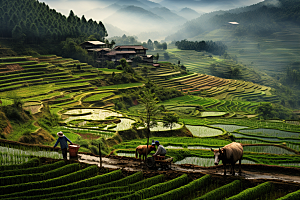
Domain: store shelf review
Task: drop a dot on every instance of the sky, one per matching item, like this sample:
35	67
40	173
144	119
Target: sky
81	6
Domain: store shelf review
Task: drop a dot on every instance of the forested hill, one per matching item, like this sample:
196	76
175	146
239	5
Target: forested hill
32	22
261	19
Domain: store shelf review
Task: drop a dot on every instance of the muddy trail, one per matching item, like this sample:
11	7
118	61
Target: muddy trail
255	172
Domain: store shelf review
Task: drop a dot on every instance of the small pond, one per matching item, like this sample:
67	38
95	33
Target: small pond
228	127
203	131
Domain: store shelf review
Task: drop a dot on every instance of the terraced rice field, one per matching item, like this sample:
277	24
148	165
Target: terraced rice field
91	114
73	181
203	131
11	156
211	86
205	162
272	133
227	127
267	149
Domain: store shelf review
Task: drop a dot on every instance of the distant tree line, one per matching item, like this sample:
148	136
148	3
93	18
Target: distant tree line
217	48
30	21
132	40
293	73
155	45
125	40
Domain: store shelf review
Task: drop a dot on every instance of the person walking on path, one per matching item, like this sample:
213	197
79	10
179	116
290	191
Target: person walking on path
63	144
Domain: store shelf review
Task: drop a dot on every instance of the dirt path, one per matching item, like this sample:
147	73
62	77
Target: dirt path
248	171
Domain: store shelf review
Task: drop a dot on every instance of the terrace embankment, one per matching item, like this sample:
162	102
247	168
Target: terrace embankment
141	133
250	172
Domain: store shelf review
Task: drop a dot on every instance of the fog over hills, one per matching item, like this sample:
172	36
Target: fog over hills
143	16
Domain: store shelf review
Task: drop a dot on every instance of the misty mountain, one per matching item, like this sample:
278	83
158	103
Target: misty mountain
189	13
101	13
168	15
207	4
150	3
136	3
260	19
135	19
114	31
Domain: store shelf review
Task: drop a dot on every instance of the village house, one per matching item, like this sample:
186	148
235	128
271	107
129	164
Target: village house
129	52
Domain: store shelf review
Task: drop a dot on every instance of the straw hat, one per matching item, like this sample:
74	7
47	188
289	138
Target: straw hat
60	134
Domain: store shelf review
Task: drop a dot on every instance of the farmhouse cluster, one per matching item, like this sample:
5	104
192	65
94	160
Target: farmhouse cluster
129	52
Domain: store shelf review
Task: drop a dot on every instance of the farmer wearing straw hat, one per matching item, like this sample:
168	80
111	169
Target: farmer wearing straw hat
63	143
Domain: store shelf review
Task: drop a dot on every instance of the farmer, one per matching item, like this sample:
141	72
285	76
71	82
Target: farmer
161	151
63	144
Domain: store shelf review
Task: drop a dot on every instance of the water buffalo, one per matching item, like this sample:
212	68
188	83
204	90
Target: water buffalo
230	153
141	150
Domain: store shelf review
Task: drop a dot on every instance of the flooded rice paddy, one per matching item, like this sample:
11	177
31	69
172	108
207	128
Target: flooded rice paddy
228	127
205	162
203	131
267	149
96	114
271	132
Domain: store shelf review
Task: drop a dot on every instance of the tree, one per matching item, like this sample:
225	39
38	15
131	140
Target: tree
170	119
157	57
17	33
264	110
164	46
166	56
149	101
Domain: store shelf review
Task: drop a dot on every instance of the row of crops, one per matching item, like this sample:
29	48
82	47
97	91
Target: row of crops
59	180
223	89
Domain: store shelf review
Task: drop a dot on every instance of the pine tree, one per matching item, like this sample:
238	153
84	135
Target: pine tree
17	33
34	32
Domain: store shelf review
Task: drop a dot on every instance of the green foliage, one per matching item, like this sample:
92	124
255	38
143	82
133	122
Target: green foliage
31	163
125	40
72	177
185	190
222	192
158	188
149	101
52	191
291	196
253	193
32	170
102	189
24	178
170	119
217	48
51	26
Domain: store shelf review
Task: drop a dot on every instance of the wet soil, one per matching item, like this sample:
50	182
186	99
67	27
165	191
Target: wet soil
255	172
